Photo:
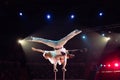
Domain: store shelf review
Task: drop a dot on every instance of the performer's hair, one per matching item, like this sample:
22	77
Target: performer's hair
48	55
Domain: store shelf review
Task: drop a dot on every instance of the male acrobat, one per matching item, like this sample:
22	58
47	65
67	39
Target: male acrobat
55	58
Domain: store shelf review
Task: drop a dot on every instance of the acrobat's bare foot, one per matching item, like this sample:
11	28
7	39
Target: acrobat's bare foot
29	38
77	31
55	70
63	69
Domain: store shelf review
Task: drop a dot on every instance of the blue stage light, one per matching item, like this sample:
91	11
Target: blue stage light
48	16
72	16
21	14
103	35
84	37
100	14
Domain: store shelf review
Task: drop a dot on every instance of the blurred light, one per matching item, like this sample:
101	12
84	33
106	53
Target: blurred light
21	14
100	14
72	16
104	65
21	41
109	65
116	64
116	40
101	65
103	35
108	38
109	31
48	16
84	37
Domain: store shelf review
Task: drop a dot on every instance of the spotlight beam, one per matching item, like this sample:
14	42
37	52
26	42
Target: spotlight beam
21	41
108	38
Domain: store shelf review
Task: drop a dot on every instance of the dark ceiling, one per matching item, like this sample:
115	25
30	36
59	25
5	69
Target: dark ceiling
13	26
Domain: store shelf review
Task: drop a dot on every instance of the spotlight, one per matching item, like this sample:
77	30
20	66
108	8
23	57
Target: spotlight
100	14
108	38
116	64
72	16
84	37
104	65
101	65
48	16
20	41
103	35
109	65
21	14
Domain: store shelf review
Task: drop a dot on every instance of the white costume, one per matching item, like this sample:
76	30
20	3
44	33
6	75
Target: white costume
59	58
59	51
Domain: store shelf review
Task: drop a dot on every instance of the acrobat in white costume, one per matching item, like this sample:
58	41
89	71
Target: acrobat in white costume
59	55
55	58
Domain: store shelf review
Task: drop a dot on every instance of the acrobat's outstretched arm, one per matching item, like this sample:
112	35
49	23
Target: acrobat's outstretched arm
64	40
78	50
46	53
38	50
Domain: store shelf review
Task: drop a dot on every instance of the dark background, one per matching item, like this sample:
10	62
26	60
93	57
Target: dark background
15	64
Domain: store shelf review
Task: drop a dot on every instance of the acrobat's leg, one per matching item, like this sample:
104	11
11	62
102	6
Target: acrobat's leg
38	50
64	40
65	63
47	42
55	67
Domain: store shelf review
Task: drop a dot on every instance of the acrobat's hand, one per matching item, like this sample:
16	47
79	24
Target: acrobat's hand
33	49
31	38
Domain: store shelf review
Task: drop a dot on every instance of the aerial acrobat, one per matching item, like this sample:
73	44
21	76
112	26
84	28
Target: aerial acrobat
59	55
